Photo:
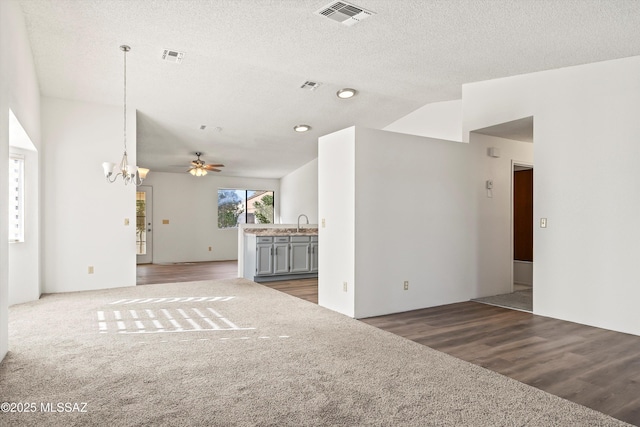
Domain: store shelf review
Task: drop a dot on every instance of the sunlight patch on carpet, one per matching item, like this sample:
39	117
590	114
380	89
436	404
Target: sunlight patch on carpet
170	300
143	320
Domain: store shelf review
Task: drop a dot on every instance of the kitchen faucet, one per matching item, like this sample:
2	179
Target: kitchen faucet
299	216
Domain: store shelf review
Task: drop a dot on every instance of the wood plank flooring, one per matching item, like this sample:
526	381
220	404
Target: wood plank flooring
147	274
594	367
306	289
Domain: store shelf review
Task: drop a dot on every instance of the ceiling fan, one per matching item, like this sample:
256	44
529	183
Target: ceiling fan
199	168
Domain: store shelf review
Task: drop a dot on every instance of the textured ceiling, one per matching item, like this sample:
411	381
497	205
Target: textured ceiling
246	59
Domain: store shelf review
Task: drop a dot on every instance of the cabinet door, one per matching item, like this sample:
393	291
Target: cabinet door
314	257
280	258
300	257
264	260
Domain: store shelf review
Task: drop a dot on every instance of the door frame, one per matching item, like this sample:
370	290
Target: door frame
514	164
148	257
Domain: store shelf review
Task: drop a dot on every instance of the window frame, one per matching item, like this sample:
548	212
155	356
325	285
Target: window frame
16	198
244	214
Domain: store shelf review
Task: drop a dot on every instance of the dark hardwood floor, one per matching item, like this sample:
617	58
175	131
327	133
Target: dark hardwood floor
306	289
590	366
594	367
147	274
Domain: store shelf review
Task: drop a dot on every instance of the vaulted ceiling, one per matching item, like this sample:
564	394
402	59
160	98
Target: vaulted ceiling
245	61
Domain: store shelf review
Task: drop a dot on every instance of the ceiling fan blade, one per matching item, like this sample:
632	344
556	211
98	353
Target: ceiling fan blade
217	166
212	167
213	170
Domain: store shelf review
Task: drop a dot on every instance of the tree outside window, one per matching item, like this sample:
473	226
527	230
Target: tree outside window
244	207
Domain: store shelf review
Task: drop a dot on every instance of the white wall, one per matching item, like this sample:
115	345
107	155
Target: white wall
336	201
19	92
414	221
494	251
586	182
24	257
191	206
84	216
400	207
299	194
441	120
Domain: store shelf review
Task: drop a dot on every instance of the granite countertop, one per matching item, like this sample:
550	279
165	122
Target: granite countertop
282	231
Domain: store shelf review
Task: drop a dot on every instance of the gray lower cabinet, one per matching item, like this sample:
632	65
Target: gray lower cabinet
280	257
264	259
314	255
300	254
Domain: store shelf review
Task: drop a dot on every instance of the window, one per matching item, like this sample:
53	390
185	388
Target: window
141	223
244	207
16	198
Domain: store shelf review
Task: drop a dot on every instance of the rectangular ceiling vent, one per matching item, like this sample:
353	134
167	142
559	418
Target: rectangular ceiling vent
309	85
172	56
346	13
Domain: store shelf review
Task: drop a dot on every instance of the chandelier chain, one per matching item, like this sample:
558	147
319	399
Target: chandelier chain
125	100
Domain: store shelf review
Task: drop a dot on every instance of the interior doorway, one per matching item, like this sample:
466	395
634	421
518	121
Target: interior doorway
522	232
144	225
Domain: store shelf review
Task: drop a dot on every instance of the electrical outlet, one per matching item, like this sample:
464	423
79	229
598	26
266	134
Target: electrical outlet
90	269
543	222
209	248
126	221
344	286
406	285
323	223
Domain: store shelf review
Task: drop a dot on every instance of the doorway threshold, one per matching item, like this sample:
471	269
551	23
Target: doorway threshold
521	300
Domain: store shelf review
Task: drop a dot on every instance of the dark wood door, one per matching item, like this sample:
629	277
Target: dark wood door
523	215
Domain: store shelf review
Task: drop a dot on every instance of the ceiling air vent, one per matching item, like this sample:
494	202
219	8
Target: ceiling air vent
346	13
172	56
309	85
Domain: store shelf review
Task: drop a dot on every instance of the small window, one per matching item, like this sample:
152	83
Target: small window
16	198
244	207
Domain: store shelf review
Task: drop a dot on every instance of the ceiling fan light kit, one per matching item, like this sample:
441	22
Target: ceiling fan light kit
198	172
199	168
130	173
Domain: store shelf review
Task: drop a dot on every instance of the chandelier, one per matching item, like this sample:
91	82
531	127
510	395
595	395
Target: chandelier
130	173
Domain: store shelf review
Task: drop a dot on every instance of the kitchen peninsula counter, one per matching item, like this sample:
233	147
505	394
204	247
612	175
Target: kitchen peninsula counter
271	253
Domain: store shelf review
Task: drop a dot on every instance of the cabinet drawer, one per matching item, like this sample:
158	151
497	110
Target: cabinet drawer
265	239
299	239
281	239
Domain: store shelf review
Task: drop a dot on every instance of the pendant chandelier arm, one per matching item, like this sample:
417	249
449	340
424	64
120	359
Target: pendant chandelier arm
130	173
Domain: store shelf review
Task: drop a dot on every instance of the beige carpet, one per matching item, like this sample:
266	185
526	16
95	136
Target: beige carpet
234	353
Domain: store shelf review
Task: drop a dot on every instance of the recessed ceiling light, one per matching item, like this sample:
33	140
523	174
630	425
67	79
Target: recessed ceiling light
301	128
346	93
